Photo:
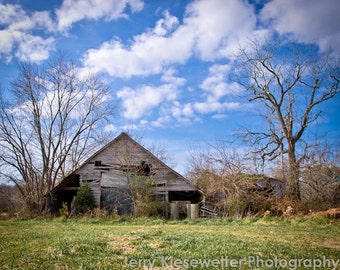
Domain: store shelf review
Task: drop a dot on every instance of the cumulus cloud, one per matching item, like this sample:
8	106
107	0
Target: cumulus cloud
26	47
175	112
141	101
169	42
215	106
12	15
169	76
215	84
209	30
42	19
216	94
17	34
216	87
110	128
7	40
148	54
310	21
30	36
220	26
34	48
162	120
182	110
72	11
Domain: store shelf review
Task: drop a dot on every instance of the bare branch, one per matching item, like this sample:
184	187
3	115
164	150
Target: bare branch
282	84
51	123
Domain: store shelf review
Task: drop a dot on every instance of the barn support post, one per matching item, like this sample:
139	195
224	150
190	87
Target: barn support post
188	208
174	211
194	213
166	204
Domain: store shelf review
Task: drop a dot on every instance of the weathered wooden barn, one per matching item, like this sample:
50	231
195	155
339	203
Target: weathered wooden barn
109	171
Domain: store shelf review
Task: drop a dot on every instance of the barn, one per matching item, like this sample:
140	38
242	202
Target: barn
109	171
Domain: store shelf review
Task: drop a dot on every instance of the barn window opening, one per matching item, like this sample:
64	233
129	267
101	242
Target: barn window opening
98	163
144	168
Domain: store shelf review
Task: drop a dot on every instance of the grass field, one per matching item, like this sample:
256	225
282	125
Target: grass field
149	243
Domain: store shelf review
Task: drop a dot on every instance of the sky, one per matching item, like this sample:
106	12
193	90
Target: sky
167	62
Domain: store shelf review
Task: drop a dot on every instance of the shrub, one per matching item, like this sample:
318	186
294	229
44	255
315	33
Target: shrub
84	200
63	211
145	203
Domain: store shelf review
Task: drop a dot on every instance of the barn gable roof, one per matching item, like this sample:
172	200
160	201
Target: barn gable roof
68	179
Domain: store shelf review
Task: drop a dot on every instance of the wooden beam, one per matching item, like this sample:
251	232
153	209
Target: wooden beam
69	188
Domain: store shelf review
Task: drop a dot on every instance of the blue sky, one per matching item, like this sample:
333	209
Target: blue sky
167	62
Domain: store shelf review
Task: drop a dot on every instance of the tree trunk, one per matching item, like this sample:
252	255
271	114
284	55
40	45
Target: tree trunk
293	191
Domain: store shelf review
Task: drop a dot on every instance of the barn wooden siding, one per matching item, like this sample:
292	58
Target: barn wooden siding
111	167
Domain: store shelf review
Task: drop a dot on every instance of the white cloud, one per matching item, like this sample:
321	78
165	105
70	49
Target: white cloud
187	110
181	112
7	40
166	25
26	47
110	128
141	101
216	88
143	122
311	21
72	11
129	128
148	54
43	20
169	77
220	116
17	34
220	26
162	120
215	106
211	29
215	84
11	14
176	113
34	48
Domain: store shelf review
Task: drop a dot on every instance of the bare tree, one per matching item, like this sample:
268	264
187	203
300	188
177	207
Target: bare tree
54	119
10	199
221	173
320	177
290	85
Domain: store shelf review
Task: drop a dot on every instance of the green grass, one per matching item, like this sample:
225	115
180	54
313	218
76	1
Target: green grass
113	243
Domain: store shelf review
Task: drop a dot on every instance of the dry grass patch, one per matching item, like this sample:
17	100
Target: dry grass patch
125	244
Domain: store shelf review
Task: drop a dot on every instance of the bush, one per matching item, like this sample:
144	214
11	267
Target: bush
84	200
63	211
145	203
